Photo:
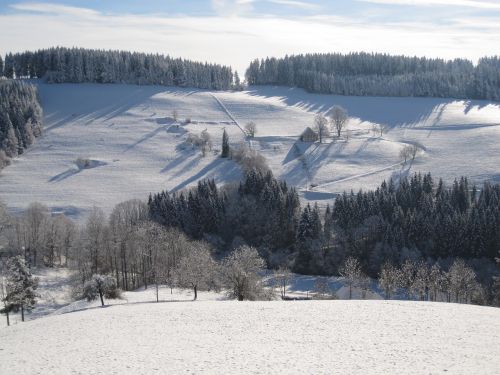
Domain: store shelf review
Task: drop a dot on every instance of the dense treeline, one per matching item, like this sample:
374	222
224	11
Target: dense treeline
366	74
76	65
20	118
260	211
420	220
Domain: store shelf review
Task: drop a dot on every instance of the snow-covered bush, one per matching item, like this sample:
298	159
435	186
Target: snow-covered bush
102	286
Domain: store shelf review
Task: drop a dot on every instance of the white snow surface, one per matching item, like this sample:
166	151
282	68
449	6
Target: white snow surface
230	337
135	147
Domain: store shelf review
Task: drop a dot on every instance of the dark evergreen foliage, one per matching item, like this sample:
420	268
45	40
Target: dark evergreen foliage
225	145
368	74
20	117
418	220
262	211
76	65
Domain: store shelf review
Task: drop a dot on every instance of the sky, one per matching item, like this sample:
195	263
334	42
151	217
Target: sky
234	32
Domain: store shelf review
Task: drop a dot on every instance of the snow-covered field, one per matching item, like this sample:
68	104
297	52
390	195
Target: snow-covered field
135	148
230	337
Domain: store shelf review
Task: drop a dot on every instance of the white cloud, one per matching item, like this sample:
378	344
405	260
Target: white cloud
51	8
296	4
236	40
459	3
232	7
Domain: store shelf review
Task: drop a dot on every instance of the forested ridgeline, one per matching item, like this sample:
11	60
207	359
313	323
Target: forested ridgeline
367	74
20	118
420	220
77	65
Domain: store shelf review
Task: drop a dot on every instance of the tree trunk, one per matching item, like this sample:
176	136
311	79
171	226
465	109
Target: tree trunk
8	319
350	291
157	297
100	296
22	313
195	288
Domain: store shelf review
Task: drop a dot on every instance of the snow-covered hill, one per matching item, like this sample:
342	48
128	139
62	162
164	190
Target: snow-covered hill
222	337
135	148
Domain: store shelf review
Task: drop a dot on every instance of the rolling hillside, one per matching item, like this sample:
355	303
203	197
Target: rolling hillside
315	337
134	147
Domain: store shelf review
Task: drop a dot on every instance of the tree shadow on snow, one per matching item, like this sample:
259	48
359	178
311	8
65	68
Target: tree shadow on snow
393	111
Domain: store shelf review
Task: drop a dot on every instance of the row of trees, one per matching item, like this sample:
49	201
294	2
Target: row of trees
417	280
78	65
369	74
20	118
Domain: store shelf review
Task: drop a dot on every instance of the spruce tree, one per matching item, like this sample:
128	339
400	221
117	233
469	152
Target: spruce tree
225	145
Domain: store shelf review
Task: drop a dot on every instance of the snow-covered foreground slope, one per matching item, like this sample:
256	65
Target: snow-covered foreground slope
214	337
135	147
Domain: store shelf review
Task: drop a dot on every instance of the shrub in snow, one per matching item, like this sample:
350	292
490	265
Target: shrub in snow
83	163
250	160
323	290
102	286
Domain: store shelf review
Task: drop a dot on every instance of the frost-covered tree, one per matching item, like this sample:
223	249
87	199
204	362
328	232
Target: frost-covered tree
100	286
351	272
241	272
58	65
389	279
7	306
251	129
21	119
321	126
20	285
462	281
338	118
375	74
196	269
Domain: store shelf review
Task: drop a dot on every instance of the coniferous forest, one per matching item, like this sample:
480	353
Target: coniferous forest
368	74
419	220
20	118
78	65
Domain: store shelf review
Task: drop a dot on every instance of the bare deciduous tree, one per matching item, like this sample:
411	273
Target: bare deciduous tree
338	118
321	126
380	129
282	277
409	151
